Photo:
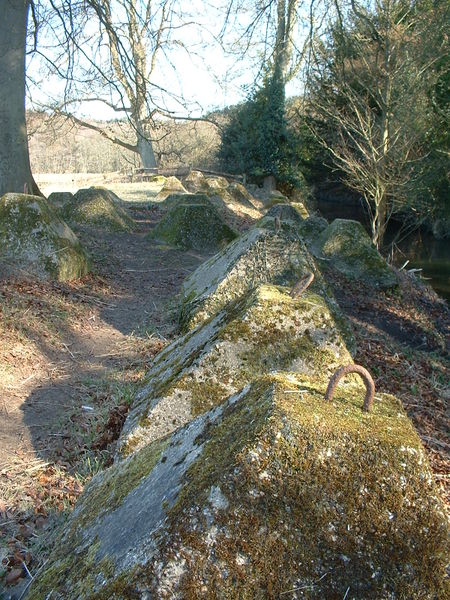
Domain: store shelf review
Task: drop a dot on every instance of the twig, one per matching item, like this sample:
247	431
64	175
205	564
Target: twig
346	593
69	351
304	587
28	379
25	589
27	570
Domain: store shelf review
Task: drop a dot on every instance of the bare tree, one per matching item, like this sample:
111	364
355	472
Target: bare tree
370	91
274	34
115	47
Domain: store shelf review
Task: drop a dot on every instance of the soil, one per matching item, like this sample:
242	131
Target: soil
72	356
75	352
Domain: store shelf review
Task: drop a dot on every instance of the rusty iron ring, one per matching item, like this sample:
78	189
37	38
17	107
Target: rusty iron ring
365	376
302	285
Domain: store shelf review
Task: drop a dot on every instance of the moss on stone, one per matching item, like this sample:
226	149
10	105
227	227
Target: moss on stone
35	240
108	491
277	490
300	208
98	207
85	566
349	249
311	229
284	216
264	331
60	199
318	497
259	256
171	185
240	194
194	223
175	198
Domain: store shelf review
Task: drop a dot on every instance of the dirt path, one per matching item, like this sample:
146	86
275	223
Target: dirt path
72	358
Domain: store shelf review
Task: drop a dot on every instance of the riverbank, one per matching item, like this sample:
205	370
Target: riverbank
420	250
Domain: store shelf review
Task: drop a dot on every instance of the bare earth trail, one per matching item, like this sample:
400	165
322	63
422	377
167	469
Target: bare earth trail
143	280
61	406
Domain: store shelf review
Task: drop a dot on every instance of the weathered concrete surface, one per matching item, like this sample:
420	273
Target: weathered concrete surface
34	239
258	256
273	493
193	222
348	248
264	331
264	492
194	181
282	215
98	207
311	229
170	186
240	194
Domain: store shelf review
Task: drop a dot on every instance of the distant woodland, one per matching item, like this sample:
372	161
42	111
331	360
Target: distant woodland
57	145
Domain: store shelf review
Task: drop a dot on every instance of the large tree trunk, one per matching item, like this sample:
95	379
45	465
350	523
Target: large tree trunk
15	171
145	150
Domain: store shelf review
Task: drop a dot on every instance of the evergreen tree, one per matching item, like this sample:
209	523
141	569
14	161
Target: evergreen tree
256	140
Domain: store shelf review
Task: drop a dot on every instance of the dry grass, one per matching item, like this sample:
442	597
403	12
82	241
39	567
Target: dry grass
43	473
142	191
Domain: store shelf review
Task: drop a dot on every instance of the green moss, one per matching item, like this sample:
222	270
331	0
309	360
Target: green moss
107	493
312	488
254	258
266	330
193	224
311	229
98	207
204	395
86	567
306	488
350	250
35	239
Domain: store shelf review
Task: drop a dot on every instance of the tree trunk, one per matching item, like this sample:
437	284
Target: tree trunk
145	150
15	170
143	143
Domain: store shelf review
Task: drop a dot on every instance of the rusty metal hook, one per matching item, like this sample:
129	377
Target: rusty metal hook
366	377
302	285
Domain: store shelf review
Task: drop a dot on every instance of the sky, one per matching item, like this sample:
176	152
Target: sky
196	67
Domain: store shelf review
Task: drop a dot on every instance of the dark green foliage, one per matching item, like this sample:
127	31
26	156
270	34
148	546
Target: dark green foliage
257	140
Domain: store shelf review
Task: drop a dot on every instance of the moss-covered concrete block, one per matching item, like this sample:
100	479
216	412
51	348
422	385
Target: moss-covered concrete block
240	194
216	183
33	239
275	493
194	181
170	186
350	250
282	216
192	222
97	207
182	198
266	330
310	230
258	256
272	197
